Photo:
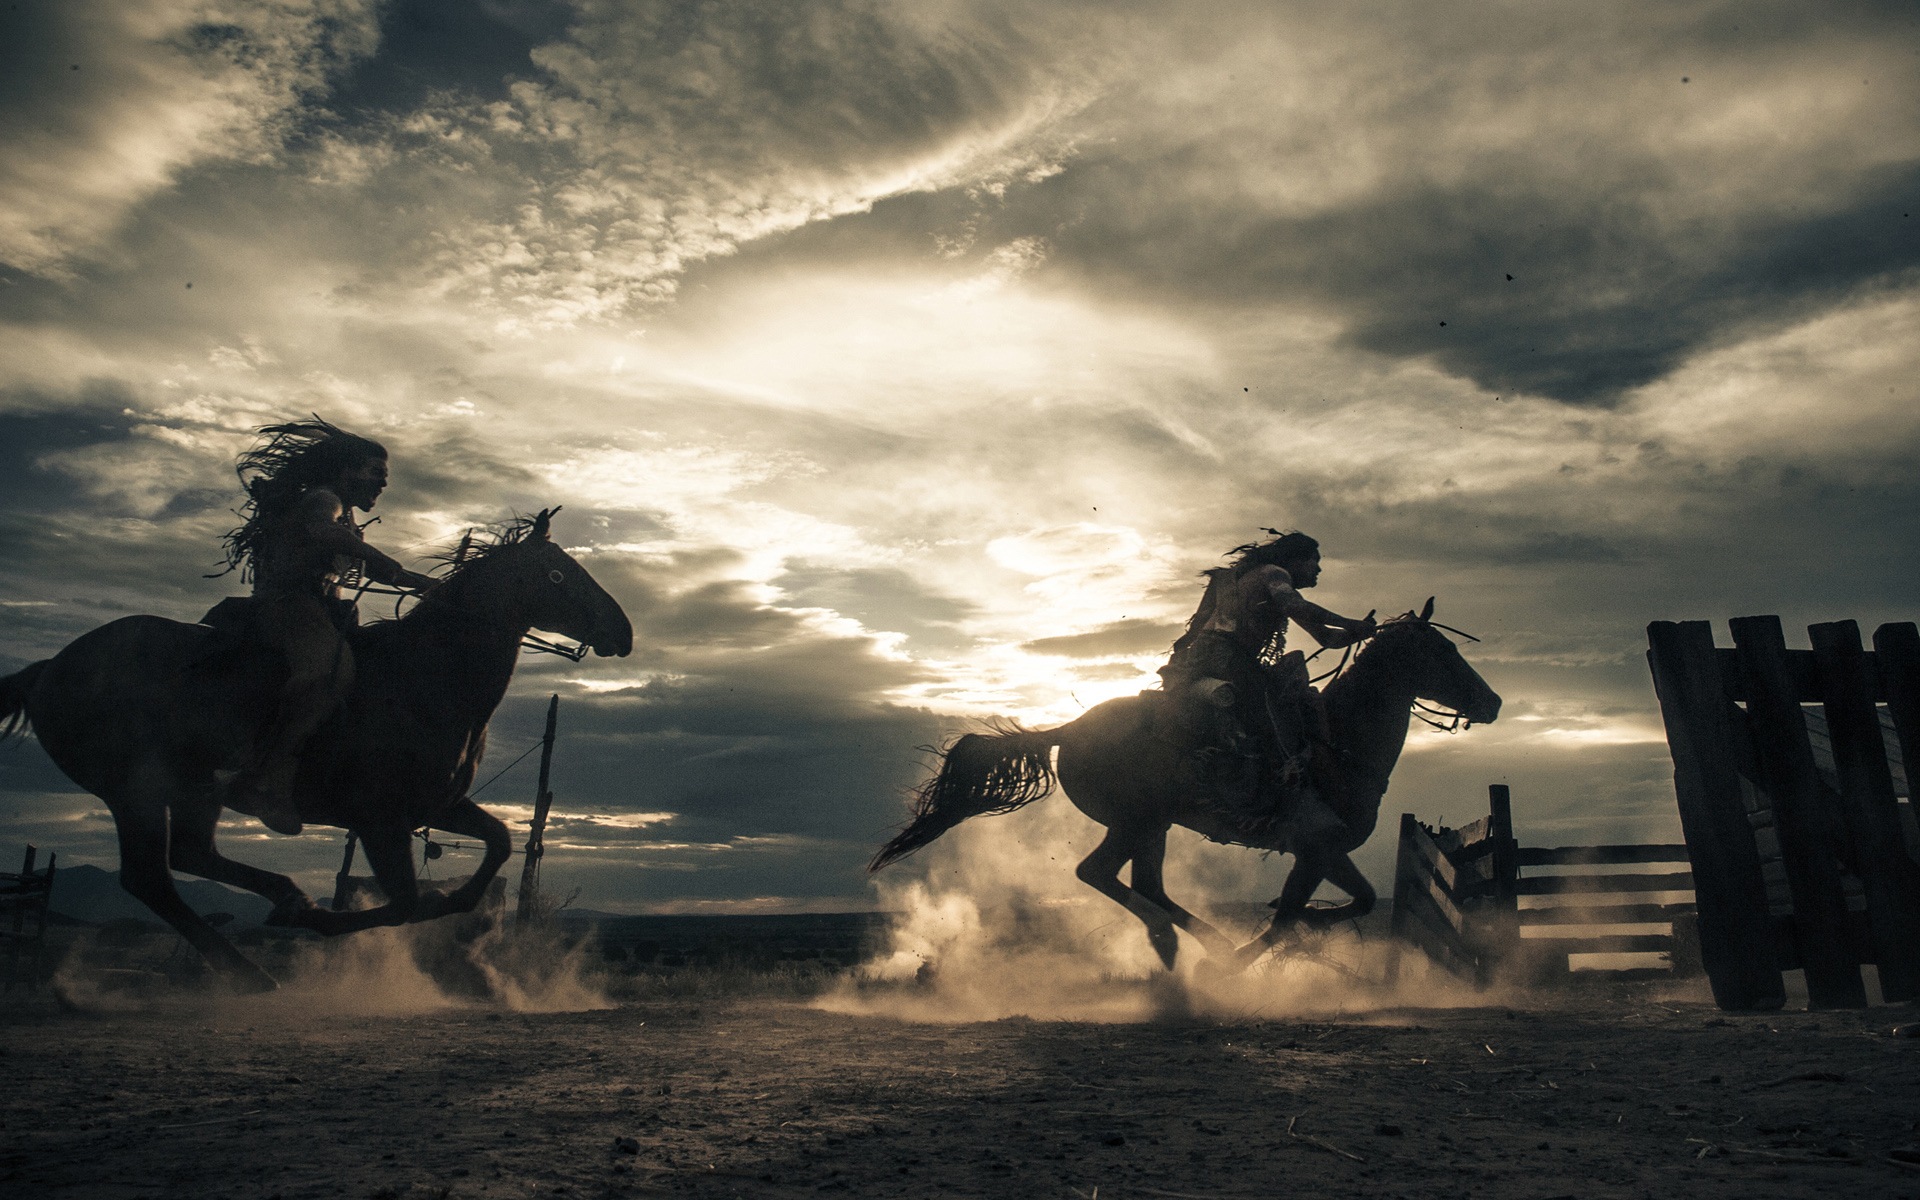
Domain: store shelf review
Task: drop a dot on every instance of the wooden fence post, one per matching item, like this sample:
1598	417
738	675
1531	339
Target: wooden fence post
1809	831
1736	933
1402	885
536	837
1896	647
1892	880
1504	891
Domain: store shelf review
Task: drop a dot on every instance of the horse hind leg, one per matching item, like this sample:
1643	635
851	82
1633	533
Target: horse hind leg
192	850
1101	871
142	818
1149	886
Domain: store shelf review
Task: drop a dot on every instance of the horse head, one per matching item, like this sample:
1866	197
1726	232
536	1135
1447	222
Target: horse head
525	573
1428	661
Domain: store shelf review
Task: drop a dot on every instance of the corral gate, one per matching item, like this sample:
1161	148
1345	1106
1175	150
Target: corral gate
1788	773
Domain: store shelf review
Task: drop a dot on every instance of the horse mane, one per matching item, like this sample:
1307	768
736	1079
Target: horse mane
482	542
476	545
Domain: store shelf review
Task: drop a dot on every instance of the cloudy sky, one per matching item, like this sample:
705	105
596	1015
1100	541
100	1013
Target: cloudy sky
902	364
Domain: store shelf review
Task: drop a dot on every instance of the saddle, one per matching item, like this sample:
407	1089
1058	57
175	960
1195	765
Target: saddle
1254	755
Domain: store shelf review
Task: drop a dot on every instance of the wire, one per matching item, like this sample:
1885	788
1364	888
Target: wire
503	770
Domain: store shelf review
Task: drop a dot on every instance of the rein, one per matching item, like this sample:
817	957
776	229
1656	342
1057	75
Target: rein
1450	720
528	641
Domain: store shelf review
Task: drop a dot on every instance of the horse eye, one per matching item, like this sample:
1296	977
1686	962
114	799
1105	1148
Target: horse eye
556	576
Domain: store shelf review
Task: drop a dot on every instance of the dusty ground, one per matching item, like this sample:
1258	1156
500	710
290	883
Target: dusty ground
1617	1095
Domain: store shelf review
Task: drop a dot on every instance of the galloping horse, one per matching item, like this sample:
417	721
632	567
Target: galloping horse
1117	768
142	712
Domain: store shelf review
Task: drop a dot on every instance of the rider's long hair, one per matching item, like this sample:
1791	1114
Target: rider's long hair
1290	546
289	459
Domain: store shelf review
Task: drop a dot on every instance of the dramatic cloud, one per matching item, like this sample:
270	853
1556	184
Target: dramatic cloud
103	104
899	366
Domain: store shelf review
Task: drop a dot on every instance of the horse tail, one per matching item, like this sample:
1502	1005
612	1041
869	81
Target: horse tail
981	774
14	690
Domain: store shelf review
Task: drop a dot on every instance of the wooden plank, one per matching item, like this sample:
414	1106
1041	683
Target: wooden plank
1605	943
1823	744
1444	945
1423	912
1897	647
1427	851
1892	880
1736	940
1604	914
1473	837
1579	856
1800	671
1809	837
1560	885
1429	888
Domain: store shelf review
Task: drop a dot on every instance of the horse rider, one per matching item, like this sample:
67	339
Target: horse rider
1242	695
299	544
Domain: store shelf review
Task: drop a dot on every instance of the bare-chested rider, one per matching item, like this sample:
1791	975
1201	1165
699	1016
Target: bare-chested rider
1246	696
298	543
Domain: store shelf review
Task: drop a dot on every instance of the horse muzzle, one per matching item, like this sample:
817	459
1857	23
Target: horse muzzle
612	643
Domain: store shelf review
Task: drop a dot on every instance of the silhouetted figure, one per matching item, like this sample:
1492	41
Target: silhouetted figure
1247	700
143	712
298	544
1120	766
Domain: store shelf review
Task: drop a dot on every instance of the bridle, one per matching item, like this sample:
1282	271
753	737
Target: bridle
1449	720
528	641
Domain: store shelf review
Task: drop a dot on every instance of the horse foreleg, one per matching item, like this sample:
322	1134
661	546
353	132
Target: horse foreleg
468	819
1149	884
142	819
390	854
1101	871
1311	867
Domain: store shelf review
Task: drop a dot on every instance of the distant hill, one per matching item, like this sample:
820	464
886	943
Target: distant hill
90	894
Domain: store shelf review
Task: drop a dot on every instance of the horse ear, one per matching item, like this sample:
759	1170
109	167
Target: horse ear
1426	614
541	522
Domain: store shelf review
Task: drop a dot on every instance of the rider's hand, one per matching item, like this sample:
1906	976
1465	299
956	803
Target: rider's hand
1354	632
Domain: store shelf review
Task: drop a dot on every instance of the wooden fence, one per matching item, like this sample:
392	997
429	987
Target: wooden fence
1788	773
23	920
1480	904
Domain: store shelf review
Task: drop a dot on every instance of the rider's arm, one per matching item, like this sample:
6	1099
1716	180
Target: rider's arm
318	515
1327	627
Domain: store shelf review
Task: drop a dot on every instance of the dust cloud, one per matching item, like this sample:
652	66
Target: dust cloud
456	962
451	962
992	924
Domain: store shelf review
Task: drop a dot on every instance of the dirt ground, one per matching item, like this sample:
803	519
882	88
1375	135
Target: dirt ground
1616	1094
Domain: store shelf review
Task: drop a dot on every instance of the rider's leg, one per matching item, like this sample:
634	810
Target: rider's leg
1101	871
1149	884
320	673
